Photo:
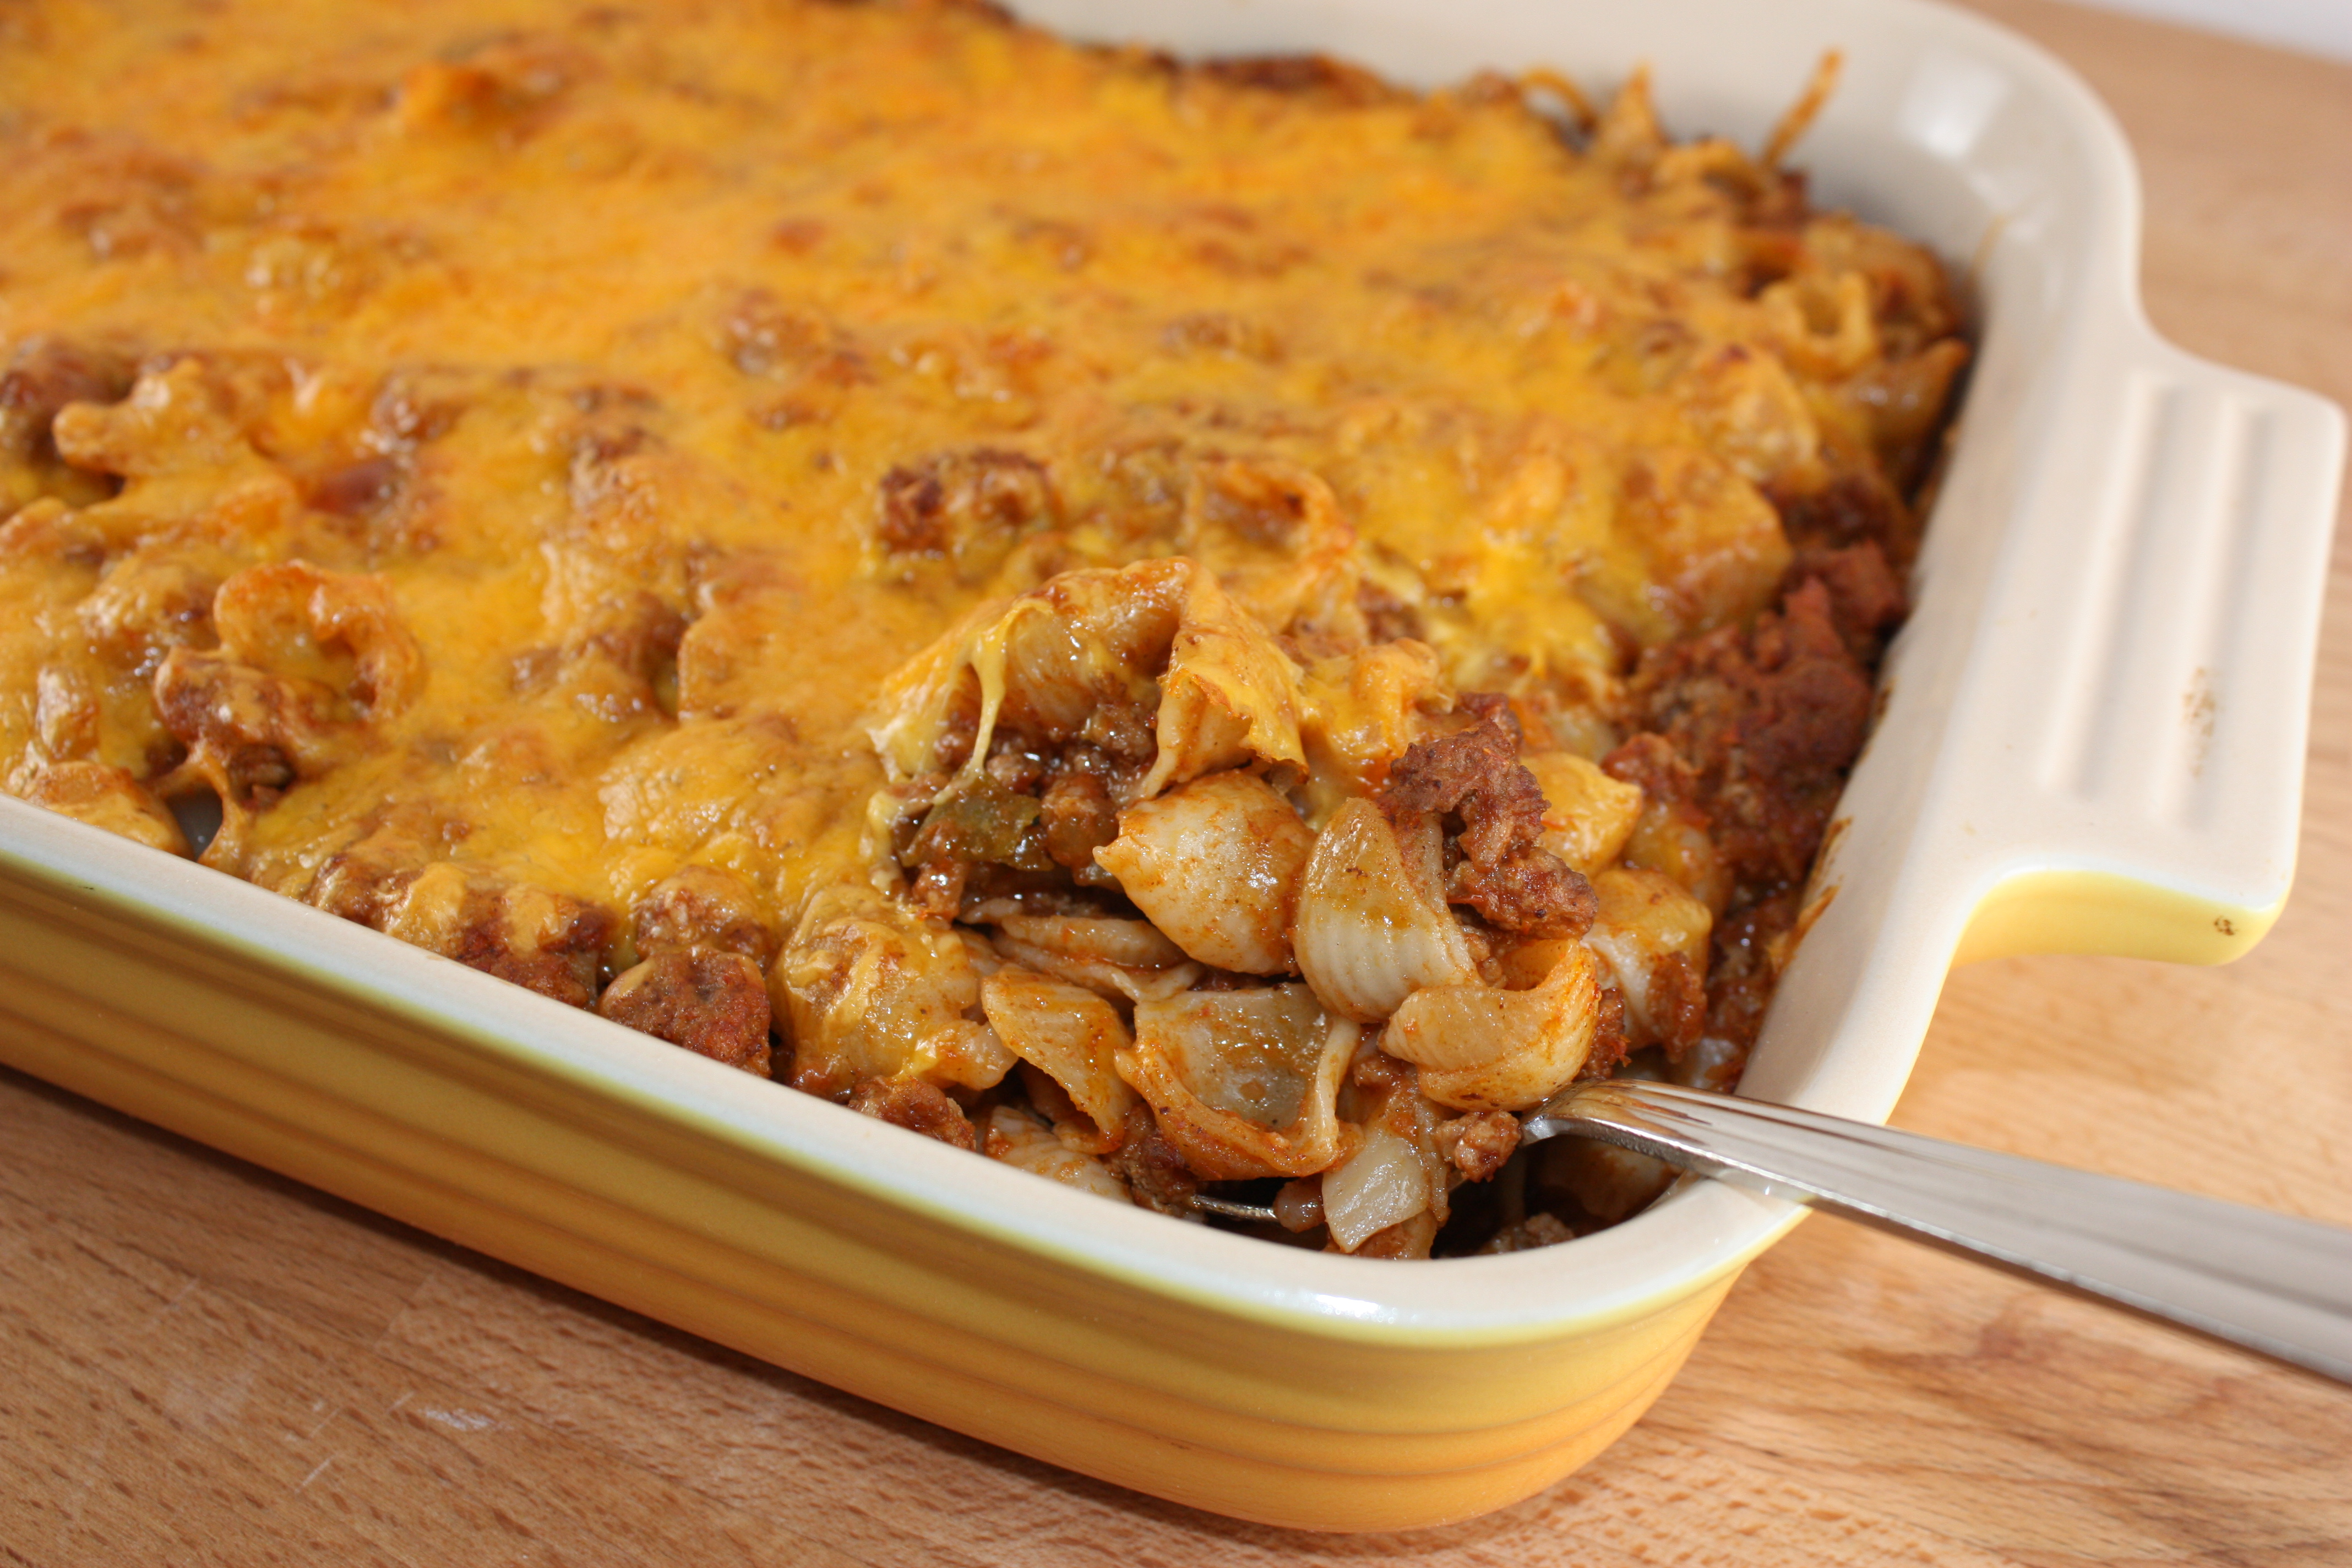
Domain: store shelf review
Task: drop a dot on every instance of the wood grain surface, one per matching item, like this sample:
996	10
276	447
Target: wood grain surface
202	1363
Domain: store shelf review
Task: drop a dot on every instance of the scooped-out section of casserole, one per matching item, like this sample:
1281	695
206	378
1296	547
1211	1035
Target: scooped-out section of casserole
1208	630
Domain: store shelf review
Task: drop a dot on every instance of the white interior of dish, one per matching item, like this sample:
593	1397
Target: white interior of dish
1944	128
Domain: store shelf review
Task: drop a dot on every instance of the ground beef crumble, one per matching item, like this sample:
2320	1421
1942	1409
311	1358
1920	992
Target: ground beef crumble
1154	1168
1474	777
1762	723
712	1002
1481	1142
918	1107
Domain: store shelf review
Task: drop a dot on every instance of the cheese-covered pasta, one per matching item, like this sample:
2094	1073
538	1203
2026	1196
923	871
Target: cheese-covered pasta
1208	629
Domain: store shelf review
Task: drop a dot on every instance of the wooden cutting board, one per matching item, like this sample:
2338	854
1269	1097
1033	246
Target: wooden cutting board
201	1362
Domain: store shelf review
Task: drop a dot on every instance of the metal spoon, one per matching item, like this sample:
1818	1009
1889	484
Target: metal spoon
2262	1280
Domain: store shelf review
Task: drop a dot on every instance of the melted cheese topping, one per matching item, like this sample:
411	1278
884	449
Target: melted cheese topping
643	387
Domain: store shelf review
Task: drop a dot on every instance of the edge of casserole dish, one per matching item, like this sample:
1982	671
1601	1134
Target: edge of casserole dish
2091	738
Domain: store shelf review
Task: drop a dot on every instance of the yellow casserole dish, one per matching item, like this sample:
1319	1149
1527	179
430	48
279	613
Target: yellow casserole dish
2092	742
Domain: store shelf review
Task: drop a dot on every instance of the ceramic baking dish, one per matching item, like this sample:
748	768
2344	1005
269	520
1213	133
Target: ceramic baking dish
2092	741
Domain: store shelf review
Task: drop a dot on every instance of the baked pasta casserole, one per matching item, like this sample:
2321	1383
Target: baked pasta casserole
1213	631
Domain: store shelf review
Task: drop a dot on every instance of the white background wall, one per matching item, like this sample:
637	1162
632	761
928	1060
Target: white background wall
2315	26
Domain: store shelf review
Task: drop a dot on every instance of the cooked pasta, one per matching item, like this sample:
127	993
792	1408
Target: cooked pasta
1207	631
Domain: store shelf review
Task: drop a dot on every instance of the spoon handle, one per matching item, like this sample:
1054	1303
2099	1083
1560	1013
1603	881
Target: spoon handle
2263	1280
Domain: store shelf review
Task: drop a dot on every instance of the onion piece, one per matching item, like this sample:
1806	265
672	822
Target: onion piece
1382	1184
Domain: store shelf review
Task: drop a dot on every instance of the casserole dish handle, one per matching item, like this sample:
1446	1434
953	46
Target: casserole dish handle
2139	708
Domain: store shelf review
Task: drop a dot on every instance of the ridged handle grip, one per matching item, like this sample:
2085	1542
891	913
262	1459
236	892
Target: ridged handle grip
2147	670
2265	1281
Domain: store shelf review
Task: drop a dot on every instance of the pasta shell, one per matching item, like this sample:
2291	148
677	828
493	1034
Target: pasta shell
966	1052
1107	980
1587	816
1072	647
1123	960
1152	660
1071	1033
1672	837
1016	1138
286	617
1228	697
1215	865
1092	939
866	985
1481	1048
1243	1082
1647	916
103	797
1371	924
